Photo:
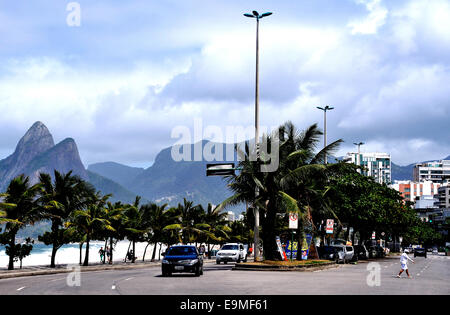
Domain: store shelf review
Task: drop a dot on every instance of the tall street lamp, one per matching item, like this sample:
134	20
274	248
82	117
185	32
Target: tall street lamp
257	16
325	109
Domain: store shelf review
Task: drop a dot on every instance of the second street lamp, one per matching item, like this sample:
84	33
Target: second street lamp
257	16
325	126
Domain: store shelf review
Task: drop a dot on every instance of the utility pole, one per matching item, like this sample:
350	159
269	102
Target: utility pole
257	16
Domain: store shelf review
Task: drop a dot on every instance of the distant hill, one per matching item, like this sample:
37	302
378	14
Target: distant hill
119	173
108	186
402	172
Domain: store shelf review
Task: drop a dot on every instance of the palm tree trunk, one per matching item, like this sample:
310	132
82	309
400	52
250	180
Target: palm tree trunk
86	258
134	252
81	253
104	254
145	251
110	249
126	255
154	251
12	251
52	260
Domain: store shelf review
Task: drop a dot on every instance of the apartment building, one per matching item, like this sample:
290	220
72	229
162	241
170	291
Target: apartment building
437	172
412	190
376	165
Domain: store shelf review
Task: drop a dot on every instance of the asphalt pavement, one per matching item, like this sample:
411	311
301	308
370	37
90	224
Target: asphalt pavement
429	276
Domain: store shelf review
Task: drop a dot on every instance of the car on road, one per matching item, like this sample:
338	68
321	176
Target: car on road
420	251
231	252
182	258
361	252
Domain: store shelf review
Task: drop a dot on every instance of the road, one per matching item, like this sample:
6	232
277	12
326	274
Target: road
430	276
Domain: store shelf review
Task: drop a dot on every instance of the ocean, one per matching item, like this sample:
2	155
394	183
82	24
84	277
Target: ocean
70	253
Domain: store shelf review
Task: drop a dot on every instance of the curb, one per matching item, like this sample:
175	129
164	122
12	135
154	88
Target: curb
304	268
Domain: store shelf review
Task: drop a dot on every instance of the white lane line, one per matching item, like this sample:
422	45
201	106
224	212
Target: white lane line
57	279
129	278
20	289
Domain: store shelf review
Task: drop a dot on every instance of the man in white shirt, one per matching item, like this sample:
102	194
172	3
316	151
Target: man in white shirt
404	264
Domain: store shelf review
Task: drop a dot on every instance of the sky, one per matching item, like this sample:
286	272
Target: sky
120	76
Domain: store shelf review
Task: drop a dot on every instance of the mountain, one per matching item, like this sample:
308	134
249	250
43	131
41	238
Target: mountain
402	172
37	140
37	153
168	181
119	173
108	186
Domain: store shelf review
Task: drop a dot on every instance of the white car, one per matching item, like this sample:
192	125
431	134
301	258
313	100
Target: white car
234	252
345	253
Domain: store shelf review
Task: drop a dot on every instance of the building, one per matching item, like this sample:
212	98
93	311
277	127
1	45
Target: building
437	172
443	197
412	190
376	165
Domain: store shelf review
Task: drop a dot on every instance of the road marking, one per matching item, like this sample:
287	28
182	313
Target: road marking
20	289
129	278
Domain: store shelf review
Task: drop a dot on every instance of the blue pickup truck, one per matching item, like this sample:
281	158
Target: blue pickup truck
182	258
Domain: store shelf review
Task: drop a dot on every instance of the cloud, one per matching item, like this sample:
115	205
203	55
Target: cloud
132	72
374	20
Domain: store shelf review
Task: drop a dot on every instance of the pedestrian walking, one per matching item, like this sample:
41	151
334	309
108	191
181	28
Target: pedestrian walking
101	252
108	254
404	264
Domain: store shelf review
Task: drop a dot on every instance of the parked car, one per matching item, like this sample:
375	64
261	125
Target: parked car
361	252
329	253
420	251
182	258
231	252
345	253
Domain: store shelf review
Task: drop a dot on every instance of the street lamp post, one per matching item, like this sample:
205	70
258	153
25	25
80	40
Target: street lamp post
257	16
325	109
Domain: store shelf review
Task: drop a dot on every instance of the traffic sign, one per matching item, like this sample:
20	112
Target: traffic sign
330	224
293	220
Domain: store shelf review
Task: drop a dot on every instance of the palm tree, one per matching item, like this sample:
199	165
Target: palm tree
91	220
218	227
114	213
137	224
188	222
293	187
157	220
59	200
20	207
